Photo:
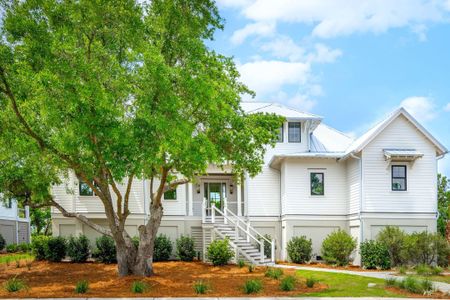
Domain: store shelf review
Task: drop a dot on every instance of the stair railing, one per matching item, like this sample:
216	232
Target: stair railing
239	227
255	232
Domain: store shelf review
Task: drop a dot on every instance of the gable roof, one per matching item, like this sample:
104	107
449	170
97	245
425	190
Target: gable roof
366	138
281	110
327	139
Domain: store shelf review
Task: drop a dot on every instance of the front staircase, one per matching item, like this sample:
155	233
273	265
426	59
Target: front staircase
246	242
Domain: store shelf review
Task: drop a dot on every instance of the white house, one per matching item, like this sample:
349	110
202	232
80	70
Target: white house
314	181
14	222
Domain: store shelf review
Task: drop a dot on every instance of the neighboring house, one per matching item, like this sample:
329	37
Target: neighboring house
314	181
14	222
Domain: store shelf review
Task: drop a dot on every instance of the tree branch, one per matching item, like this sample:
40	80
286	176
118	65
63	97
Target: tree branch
127	196
173	185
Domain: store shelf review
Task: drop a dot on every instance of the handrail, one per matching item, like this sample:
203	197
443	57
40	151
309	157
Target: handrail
254	230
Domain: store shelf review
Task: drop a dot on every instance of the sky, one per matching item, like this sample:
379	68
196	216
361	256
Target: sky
350	61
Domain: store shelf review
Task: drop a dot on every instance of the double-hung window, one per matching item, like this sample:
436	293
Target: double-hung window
317	184
294	132
399	182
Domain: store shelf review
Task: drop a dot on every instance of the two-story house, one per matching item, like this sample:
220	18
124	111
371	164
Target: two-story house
14	222
314	181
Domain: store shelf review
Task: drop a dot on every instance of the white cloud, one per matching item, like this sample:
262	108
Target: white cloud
284	47
269	76
447	107
332	18
258	28
422	108
234	3
302	102
323	54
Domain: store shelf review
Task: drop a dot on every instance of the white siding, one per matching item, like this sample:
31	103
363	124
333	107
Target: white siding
354	185
421	176
297	193
66	192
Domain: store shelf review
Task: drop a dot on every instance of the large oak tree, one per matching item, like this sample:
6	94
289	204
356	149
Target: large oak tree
116	90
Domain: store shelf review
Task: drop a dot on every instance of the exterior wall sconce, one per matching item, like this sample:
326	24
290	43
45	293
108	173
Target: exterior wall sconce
231	188
197	188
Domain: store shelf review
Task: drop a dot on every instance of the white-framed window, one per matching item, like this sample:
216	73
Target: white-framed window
399	181
294	132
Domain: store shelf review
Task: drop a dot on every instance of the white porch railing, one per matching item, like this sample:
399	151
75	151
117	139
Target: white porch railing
240	226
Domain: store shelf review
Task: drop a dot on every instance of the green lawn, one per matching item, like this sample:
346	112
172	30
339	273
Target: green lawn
10	258
342	285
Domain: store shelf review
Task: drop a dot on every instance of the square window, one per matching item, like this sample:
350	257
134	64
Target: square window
399	181
294	132
170	195
317	184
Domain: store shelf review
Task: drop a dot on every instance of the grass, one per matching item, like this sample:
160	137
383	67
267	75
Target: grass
274	273
310	282
82	287
139	287
439	278
200	287
345	285
14	285
7	259
288	283
252	286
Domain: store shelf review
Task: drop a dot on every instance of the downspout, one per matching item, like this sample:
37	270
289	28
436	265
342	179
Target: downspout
361	232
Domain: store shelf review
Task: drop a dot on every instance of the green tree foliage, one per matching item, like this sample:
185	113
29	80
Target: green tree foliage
119	90
443	204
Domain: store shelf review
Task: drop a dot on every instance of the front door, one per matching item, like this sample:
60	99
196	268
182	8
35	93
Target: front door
215	193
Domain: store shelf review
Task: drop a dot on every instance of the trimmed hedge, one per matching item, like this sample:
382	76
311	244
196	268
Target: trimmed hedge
163	248
39	245
219	252
78	248
185	248
374	255
56	249
337	248
299	249
106	250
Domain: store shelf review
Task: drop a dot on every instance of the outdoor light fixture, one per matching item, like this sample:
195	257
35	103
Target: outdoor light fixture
197	187
231	188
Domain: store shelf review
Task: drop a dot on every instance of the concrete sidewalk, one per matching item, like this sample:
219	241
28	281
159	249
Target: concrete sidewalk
441	286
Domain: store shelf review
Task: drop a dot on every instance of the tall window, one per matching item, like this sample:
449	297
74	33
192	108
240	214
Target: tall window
317	184
399	178
294	132
280	134
170	195
85	189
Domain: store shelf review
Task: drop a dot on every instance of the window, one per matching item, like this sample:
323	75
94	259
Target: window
317	184
170	195
85	189
399	178
294	132
280	134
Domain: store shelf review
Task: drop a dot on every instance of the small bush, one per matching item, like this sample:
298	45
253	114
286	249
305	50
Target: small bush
251	268
443	251
185	248
337	248
82	287
299	249
423	270
402	270
311	281
288	283
412	285
241	263
274	273
391	281
139	287
200	287
12	248
14	284
2	242
374	255
423	247
56	249
427	286
393	238
219	252
106	249
436	271
39	245
23	247
163	248
78	248
252	286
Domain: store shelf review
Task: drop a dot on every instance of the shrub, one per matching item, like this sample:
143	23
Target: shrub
267	245
443	251
14	285
288	283
219	252
78	248
163	248
423	270
390	281
39	245
185	248
274	273
393	238
299	249
139	287
311	281
56	249
402	269
200	287
436	271
412	285
337	247
421	247
374	255
241	263
82	287
106	250
251	268
252	286
23	247
2	242
12	248
427	286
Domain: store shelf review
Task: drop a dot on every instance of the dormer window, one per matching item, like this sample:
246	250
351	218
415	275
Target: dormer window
294	132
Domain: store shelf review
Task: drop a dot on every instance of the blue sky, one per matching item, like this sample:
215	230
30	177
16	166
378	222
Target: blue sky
351	61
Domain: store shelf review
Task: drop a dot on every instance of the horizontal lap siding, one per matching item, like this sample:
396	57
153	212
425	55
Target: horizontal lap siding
421	176
65	192
264	193
297	192
354	185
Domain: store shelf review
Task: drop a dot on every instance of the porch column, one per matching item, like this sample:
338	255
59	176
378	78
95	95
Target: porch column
239	200
190	200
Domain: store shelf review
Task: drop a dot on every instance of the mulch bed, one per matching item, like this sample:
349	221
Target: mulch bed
172	279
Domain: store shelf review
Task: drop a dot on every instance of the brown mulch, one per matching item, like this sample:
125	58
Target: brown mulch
172	279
